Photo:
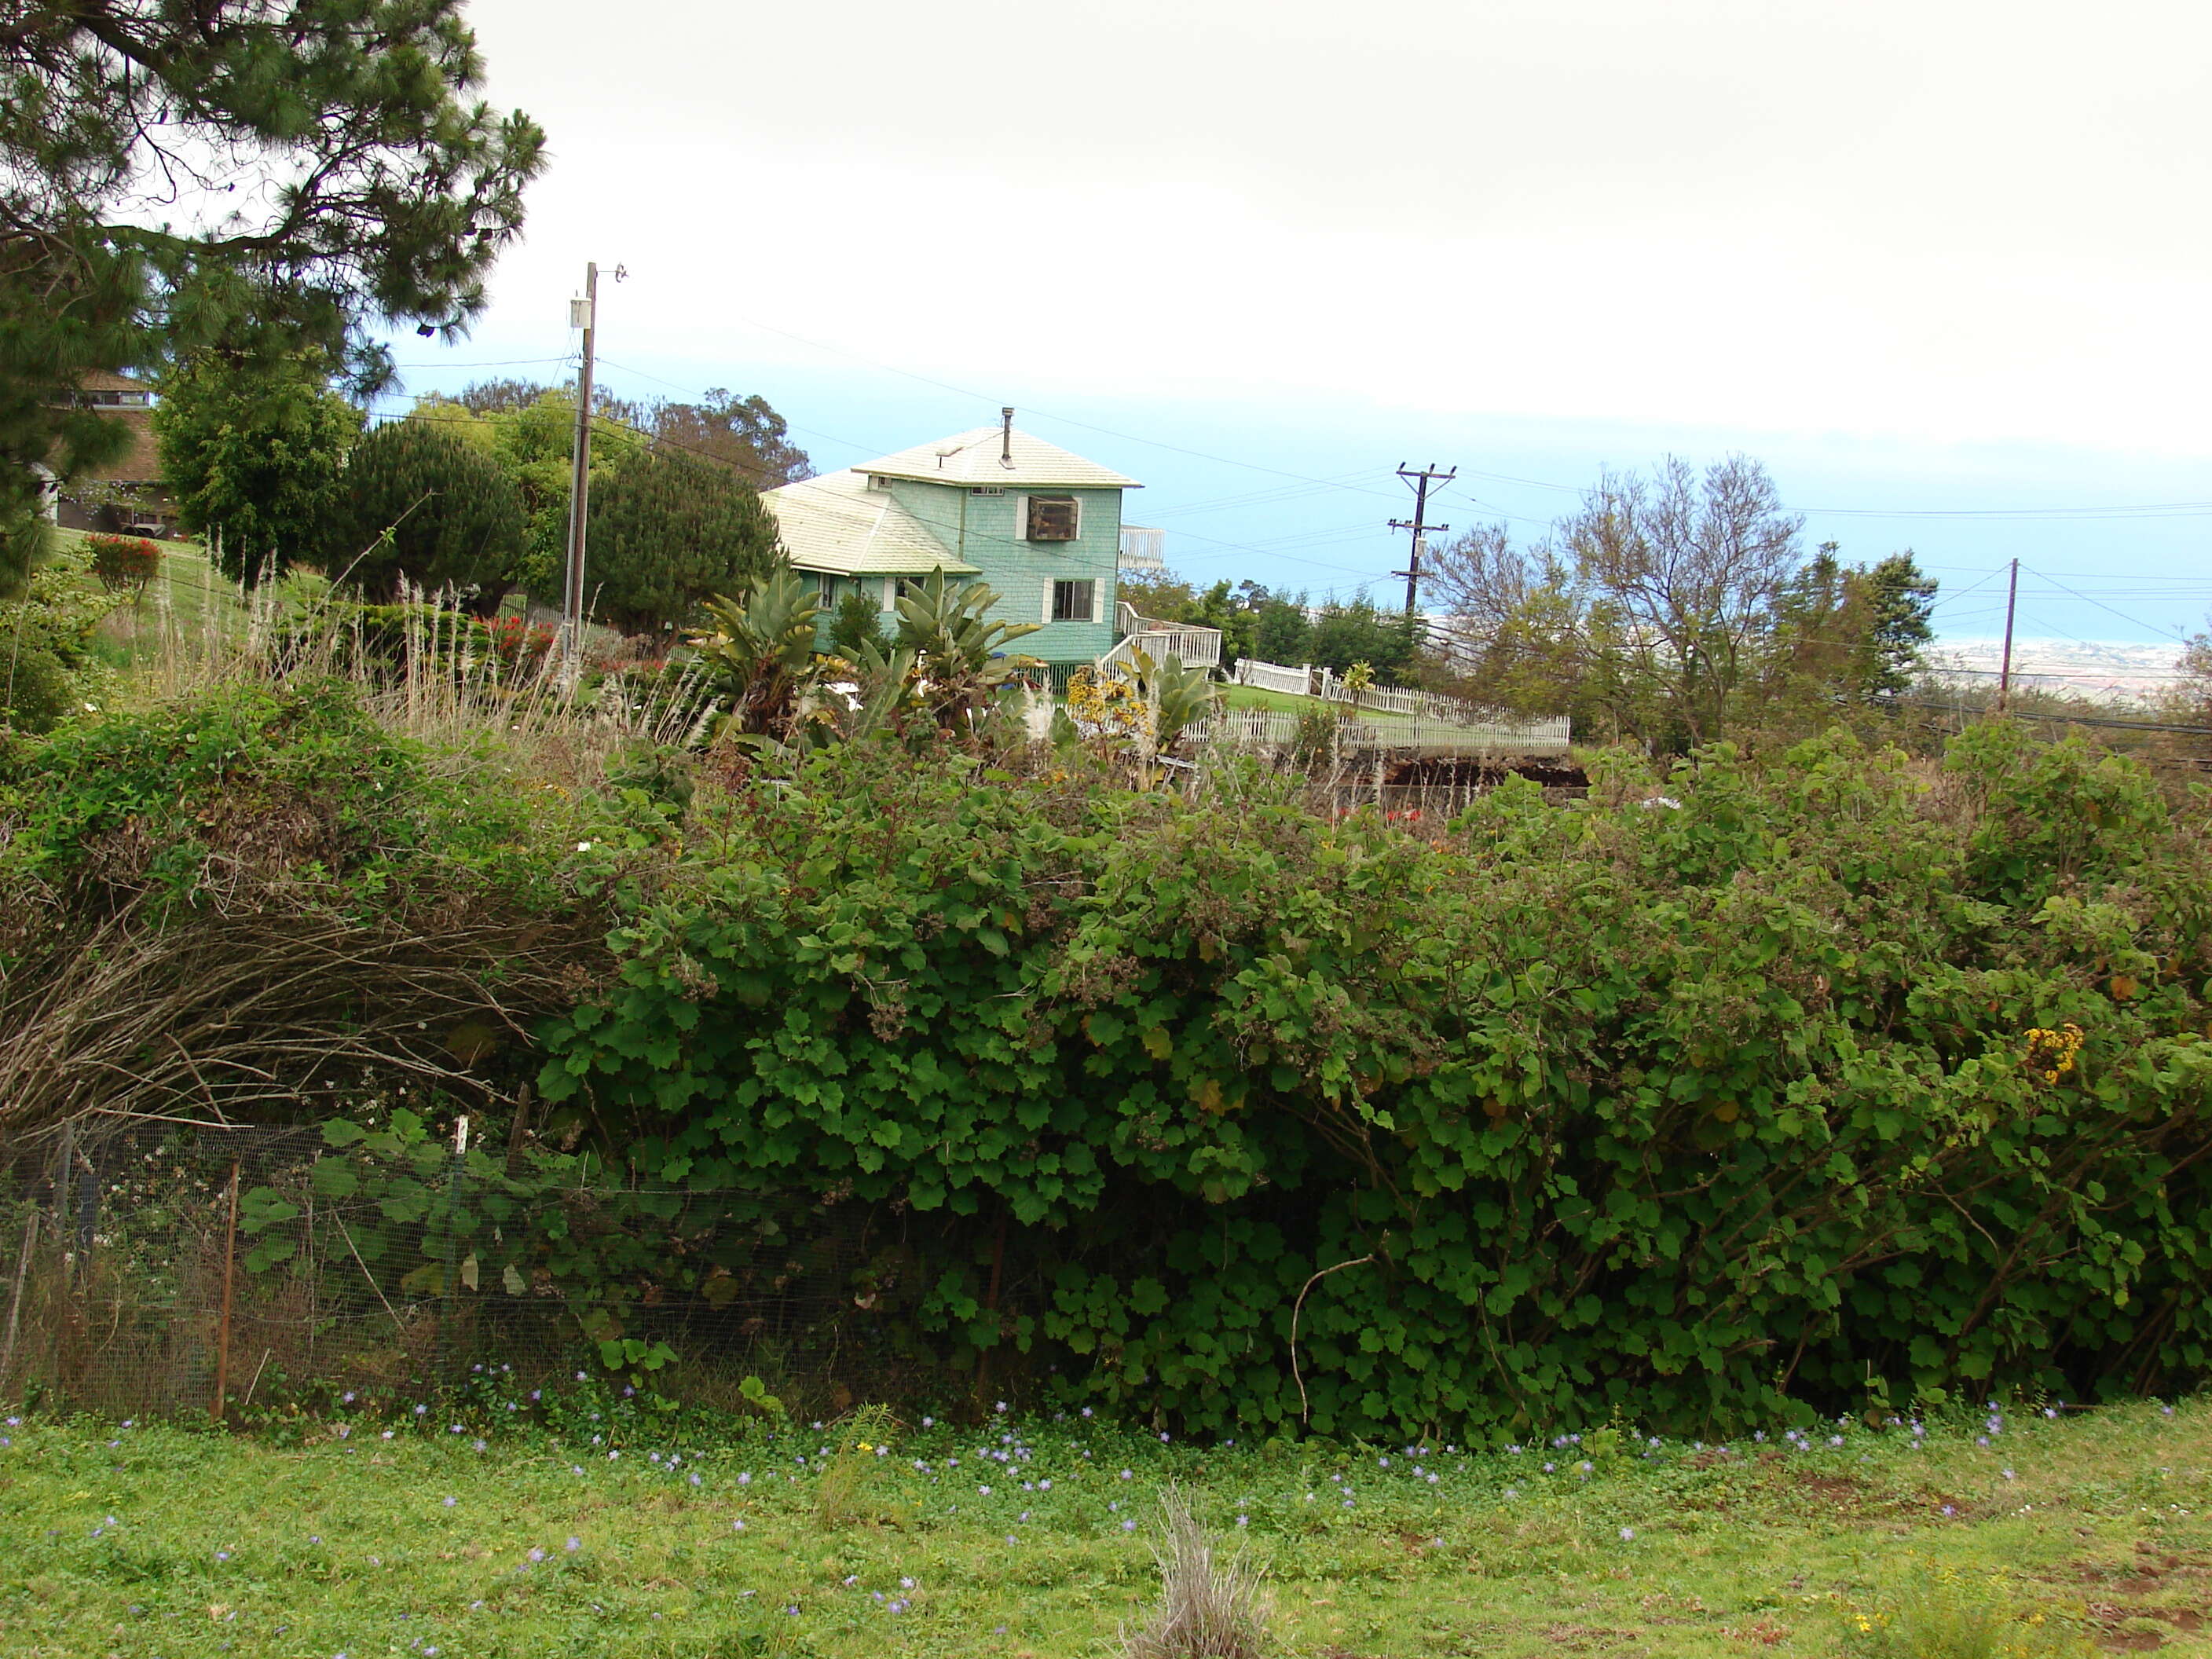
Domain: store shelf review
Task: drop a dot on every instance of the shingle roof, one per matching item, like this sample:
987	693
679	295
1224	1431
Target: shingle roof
971	459
836	525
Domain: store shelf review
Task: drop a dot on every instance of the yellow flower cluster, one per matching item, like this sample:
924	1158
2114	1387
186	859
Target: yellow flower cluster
1108	705
2051	1054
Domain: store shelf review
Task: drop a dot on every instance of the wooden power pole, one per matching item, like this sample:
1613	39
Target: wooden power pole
2004	668
1418	524
583	313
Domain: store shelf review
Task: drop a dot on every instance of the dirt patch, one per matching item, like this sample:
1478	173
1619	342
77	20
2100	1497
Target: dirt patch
2128	1624
1760	1632
1582	1638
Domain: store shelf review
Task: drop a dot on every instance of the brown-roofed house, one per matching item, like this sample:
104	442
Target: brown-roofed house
129	496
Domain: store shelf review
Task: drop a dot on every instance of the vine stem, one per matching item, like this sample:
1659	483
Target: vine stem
1305	1409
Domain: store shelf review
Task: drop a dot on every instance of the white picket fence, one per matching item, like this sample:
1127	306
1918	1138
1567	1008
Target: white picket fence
1328	685
1274	677
1499	735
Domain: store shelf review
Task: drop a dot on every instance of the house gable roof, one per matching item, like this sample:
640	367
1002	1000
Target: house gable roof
971	459
836	526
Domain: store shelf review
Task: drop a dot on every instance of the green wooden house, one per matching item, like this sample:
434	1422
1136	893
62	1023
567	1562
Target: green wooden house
1042	527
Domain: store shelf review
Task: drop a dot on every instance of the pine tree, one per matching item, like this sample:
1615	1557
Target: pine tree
666	532
424	504
276	178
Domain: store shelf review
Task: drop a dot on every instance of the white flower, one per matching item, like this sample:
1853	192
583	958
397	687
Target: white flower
583	846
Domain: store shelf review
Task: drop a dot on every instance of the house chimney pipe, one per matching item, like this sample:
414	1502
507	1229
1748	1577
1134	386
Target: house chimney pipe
1007	436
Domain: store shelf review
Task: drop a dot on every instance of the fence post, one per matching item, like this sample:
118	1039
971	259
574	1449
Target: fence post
15	1300
223	1338
452	1241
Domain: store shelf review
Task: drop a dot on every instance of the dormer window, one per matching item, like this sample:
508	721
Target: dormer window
1053	519
878	481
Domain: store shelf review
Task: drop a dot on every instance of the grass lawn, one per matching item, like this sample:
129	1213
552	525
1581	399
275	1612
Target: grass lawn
1282	702
1018	1540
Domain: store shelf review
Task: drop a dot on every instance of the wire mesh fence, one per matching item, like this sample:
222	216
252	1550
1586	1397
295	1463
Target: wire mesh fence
170	1267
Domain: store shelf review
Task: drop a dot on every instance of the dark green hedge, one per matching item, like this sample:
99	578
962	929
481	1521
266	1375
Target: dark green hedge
1702	1111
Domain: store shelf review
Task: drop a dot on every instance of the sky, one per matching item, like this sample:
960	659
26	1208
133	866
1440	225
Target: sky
1937	264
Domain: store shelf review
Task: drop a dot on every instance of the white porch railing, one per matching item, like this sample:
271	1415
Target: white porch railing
1197	647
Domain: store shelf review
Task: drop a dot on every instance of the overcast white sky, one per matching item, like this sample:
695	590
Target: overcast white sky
1915	255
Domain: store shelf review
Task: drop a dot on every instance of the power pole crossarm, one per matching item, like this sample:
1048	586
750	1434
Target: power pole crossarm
1421	483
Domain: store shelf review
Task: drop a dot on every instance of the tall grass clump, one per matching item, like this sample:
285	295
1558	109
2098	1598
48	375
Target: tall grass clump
1946	1614
1210	1608
851	1484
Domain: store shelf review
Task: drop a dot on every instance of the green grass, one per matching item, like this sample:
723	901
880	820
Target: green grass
1282	702
356	1545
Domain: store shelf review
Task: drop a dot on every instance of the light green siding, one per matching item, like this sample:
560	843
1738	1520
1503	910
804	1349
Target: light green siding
982	530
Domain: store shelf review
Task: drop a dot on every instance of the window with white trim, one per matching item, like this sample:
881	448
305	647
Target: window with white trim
1052	519
1075	602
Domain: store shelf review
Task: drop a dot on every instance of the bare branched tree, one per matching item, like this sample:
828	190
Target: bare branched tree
1689	568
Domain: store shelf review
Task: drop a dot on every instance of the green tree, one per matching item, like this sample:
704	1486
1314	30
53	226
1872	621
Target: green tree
1900	598
1281	632
743	433
1388	642
253	447
665	531
418	502
278	178
534	438
855	626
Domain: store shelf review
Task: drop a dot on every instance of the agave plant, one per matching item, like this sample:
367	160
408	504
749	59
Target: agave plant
760	655
959	654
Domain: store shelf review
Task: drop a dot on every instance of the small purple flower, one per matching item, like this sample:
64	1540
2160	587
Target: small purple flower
450	1502
1628	1535
537	1554
574	1544
1128	1526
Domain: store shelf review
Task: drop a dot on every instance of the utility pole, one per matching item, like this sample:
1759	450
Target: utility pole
2005	669
1418	524
582	313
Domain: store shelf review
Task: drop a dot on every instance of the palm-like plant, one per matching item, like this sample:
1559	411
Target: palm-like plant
960	654
1181	696
760	655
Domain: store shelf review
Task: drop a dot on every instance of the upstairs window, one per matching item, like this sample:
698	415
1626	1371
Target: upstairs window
1075	602
877	481
1053	519
988	490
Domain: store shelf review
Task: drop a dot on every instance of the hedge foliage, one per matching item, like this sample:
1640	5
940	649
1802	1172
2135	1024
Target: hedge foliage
1847	1080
